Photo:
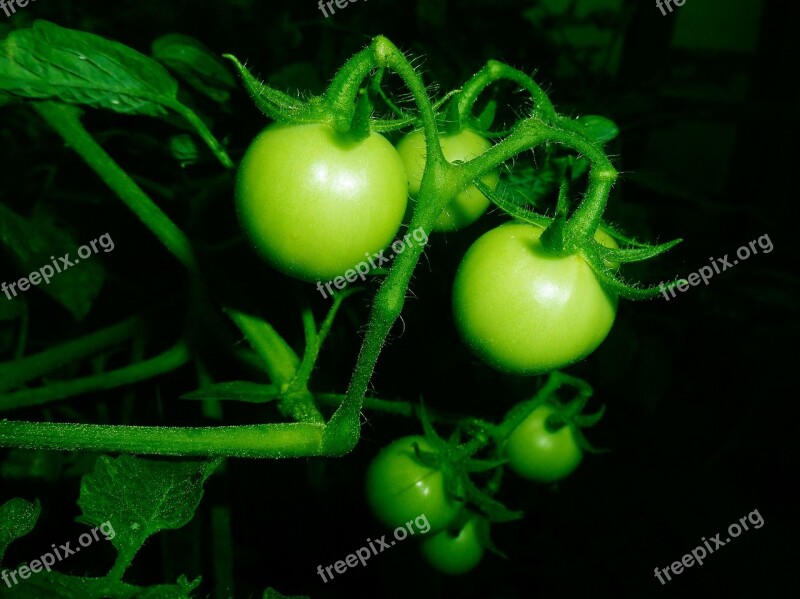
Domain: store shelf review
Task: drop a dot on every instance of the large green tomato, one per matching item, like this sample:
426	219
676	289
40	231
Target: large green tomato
454	554
399	487
466	207
537	453
315	203
526	312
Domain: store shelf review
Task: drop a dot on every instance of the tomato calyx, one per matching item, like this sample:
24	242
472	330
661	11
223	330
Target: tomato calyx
565	413
457	462
560	239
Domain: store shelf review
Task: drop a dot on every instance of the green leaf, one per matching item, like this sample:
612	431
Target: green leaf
183	149
137	498
17	518
196	64
237	391
599	128
51	62
48	62
32	244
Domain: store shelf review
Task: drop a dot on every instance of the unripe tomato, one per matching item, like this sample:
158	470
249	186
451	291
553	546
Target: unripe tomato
537	453
469	204
454	554
399	487
314	202
524	311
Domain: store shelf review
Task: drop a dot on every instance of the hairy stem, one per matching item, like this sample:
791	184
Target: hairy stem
250	441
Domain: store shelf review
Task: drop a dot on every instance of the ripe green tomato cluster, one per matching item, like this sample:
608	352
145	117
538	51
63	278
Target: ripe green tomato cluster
469	204
399	487
524	311
537	453
314	203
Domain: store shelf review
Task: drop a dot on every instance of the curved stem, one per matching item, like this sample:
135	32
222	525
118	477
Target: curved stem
65	120
520	412
435	190
171	359
206	135
461	109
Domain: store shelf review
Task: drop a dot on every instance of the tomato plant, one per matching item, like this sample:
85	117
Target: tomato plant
469	204
456	552
399	487
540	451
524	310
314	202
319	190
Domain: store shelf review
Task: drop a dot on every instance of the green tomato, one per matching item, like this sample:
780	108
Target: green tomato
537	453
469	204
454	554
315	203
399	487
524	311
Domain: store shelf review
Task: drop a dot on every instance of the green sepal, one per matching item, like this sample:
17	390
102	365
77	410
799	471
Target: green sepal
520	213
490	507
273	103
639	254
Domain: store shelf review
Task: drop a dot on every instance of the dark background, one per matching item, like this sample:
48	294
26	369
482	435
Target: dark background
701	403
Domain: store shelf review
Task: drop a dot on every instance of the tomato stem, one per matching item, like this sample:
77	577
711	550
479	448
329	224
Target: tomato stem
173	358
66	122
28	368
246	441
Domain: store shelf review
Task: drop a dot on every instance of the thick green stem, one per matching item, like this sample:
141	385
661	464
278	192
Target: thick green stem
16	373
65	120
173	358
253	441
